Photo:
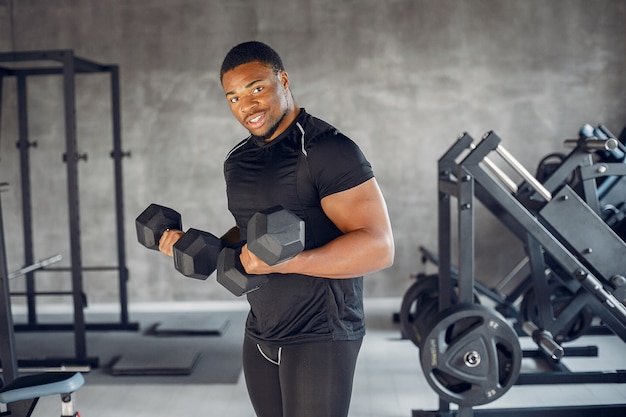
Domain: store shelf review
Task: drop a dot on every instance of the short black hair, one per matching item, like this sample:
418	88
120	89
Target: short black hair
252	51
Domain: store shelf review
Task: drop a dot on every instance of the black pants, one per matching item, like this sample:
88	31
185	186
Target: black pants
307	380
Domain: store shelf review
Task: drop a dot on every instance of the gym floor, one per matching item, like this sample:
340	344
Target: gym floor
389	381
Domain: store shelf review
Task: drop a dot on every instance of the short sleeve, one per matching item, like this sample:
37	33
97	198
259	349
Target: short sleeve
336	163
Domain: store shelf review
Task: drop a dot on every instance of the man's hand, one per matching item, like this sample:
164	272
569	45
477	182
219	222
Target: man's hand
168	239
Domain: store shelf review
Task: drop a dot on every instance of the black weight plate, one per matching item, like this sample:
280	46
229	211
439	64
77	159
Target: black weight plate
418	303
471	355
560	297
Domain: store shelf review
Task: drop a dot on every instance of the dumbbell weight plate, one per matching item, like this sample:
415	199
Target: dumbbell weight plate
275	235
195	254
471	355
230	274
153	221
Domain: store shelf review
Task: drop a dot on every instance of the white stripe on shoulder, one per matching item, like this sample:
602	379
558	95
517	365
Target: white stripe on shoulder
243	142
302	138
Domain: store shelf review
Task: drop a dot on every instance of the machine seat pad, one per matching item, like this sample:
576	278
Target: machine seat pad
41	385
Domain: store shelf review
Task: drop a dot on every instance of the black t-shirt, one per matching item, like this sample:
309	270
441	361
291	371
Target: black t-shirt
306	163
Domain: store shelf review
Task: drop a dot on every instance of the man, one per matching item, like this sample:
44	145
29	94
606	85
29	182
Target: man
306	324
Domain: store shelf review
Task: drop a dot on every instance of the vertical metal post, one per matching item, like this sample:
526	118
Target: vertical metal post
27	222
444	242
466	236
117	155
73	205
7	338
1	82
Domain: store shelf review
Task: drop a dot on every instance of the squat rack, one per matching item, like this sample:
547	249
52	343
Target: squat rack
66	64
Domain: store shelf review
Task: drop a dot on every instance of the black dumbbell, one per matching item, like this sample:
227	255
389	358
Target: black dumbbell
153	221
195	253
274	235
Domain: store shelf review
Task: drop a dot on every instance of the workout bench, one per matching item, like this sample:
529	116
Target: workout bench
23	393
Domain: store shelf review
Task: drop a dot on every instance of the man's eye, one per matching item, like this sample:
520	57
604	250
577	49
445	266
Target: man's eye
258	89
233	99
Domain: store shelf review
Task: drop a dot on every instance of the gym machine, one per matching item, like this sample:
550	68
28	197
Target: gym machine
470	353
66	64
21	393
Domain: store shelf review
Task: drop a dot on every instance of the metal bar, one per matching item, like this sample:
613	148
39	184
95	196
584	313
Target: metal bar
592	144
7	338
466	235
506	180
448	167
519	168
27	210
1	84
43	293
511	275
50	369
85	268
51	55
119	193
37	265
445	239
85	65
73	203
68	327
610	410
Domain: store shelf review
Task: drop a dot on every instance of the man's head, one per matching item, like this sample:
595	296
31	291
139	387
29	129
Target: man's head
252	51
257	89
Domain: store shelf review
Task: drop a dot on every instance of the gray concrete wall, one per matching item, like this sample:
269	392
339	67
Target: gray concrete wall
401	77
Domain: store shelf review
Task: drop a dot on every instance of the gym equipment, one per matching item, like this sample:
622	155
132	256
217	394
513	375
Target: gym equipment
470	355
37	265
419	305
231	275
65	65
582	265
274	235
153	221
21	393
195	253
560	297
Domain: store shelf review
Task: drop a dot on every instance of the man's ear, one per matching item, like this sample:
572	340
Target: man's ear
284	79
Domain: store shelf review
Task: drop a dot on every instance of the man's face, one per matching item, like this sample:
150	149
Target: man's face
258	97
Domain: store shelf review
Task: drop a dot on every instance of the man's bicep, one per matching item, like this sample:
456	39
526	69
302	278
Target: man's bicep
360	207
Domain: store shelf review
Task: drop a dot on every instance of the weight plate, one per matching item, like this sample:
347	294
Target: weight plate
471	355
418	304
560	298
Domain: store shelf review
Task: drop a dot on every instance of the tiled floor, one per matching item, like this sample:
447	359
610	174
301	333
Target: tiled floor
389	382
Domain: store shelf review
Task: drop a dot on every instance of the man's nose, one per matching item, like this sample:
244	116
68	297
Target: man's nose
248	105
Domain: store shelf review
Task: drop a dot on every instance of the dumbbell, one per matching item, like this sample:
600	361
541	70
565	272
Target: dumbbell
274	235
195	253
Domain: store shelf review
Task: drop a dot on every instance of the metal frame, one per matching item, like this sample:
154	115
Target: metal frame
65	64
535	219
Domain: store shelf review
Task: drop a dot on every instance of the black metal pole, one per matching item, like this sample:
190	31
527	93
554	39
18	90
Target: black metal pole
117	155
27	211
7	338
73	203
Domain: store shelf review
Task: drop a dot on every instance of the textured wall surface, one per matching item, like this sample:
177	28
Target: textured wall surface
401	77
